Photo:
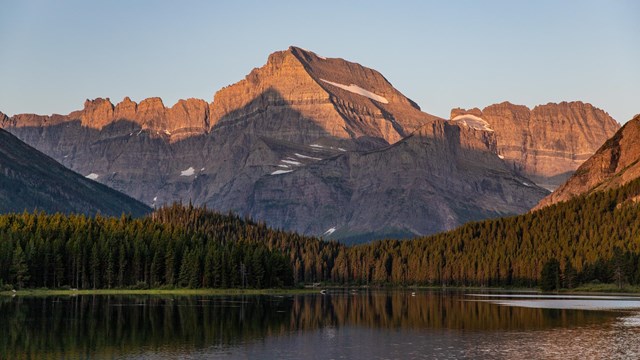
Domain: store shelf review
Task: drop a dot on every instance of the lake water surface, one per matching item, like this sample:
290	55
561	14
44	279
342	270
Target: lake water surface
339	325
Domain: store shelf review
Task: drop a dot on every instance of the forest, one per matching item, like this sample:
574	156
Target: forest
595	237
54	251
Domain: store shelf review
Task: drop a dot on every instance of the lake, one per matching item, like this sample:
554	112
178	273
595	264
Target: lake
338	325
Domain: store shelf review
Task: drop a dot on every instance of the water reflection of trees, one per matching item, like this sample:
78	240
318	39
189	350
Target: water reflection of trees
84	326
435	310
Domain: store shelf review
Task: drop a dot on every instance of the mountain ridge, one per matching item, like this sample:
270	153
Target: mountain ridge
548	142
31	180
614	164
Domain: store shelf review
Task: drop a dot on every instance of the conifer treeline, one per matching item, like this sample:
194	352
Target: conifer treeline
595	237
38	250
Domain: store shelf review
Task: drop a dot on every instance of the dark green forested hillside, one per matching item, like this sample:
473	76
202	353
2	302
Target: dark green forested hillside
594	237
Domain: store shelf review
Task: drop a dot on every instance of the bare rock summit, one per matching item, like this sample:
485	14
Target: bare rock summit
546	143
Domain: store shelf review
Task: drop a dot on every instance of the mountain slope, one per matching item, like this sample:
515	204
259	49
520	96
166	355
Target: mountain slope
321	96
593	237
614	164
439	177
31	180
546	143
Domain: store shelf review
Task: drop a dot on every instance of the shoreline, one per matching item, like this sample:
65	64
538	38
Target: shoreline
156	292
610	289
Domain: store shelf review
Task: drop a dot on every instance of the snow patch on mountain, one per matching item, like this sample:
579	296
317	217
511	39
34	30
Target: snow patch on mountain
292	162
329	232
279	172
188	172
358	90
307	157
472	121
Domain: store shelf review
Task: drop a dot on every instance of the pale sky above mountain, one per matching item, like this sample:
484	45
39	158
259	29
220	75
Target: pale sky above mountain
442	54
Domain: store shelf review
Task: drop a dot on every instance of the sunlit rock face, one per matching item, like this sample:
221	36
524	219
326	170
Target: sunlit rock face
616	163
546	143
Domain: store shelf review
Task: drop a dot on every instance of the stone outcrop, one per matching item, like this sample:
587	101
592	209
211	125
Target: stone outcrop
549	142
4	120
616	163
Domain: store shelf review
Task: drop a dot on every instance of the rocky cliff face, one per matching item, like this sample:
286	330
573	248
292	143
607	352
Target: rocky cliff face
548	142
297	96
304	142
31	180
300	96
434	180
616	163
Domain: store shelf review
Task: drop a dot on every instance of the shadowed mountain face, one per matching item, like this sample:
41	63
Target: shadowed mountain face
616	163
321	146
439	177
546	143
31	180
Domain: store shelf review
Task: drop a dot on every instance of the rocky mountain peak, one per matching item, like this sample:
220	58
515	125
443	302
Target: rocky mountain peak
185	118
322	96
312	97
96	113
4	119
150	114
188	117
126	109
460	112
152	104
546	143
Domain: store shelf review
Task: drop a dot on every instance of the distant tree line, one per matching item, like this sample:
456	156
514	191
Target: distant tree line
592	237
595	237
38	250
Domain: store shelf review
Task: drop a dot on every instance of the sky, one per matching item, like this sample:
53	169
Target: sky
442	54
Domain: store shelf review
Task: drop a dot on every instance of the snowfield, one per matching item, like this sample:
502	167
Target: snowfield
189	172
358	90
307	157
473	122
279	172
330	231
292	162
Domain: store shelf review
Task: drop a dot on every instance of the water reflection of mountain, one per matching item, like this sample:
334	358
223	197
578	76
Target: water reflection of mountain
85	326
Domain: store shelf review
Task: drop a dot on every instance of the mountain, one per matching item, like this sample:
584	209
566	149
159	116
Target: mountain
302	97
591	238
437	178
31	180
616	163
305	143
546	143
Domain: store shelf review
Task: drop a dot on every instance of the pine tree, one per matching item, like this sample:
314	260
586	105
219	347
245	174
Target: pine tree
550	276
19	268
569	274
